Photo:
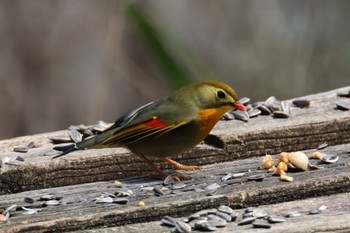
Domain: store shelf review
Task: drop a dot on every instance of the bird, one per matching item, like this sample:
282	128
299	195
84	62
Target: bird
168	126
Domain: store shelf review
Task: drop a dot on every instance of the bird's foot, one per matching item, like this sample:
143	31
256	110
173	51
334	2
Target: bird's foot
179	166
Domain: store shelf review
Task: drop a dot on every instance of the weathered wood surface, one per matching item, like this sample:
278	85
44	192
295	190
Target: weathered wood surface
305	129
78	211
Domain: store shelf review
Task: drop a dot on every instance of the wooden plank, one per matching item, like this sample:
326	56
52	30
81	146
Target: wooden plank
335	218
78	212
305	129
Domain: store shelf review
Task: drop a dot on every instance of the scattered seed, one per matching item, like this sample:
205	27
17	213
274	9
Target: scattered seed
276	219
264	109
212	187
342	105
286	178
292	214
218	222
234	216
225	209
199	214
238	175
29	211
254	112
228	116
47	197
330	158
121	201
74	134
261	225
141	204
269	101
157	192
8	209
29	199
204	225
32	144
60	139
182	227
285	106
179	185
126	193
102	200
249	209
244	100
226	177
51	203
118	184
280	114
301	103
344	94
246	221
247	215
322	207
21	149
315	211
225	216
322	146
240	115
258	177
169	221
20	158
259	213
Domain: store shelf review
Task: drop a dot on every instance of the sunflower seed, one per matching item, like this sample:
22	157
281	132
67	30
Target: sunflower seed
261	225
225	209
20	158
51	203
204	225
228	116
301	103
74	134
246	221
244	100
344	94
126	193
292	214
254	112
169	221
240	115
121	201
226	177
238	175
32	144
61	139
330	158
276	219
21	149
249	209
225	216
182	227
47	197
234	216
259	213
157	192
285	106
280	114
28	211
218	222
342	105
179	185
258	177
199	214
8	209
264	109
315	211
322	146
269	101
29	199
101	200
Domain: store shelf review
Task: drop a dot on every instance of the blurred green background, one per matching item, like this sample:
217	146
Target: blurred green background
78	61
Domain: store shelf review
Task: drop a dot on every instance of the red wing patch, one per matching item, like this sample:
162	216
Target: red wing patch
155	123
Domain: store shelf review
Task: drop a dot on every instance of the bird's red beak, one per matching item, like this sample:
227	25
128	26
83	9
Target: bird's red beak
239	106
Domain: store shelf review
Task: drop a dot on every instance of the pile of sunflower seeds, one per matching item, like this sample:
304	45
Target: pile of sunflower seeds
77	133
277	108
216	218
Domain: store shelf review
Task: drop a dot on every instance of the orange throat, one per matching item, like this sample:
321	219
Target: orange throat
209	117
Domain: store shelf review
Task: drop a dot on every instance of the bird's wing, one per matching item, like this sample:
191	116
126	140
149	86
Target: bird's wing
152	127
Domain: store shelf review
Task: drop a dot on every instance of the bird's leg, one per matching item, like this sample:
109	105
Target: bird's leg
161	174
179	166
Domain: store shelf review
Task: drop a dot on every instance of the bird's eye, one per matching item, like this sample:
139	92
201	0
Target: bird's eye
221	94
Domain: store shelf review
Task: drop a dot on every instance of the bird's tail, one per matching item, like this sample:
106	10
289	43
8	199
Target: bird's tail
94	142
